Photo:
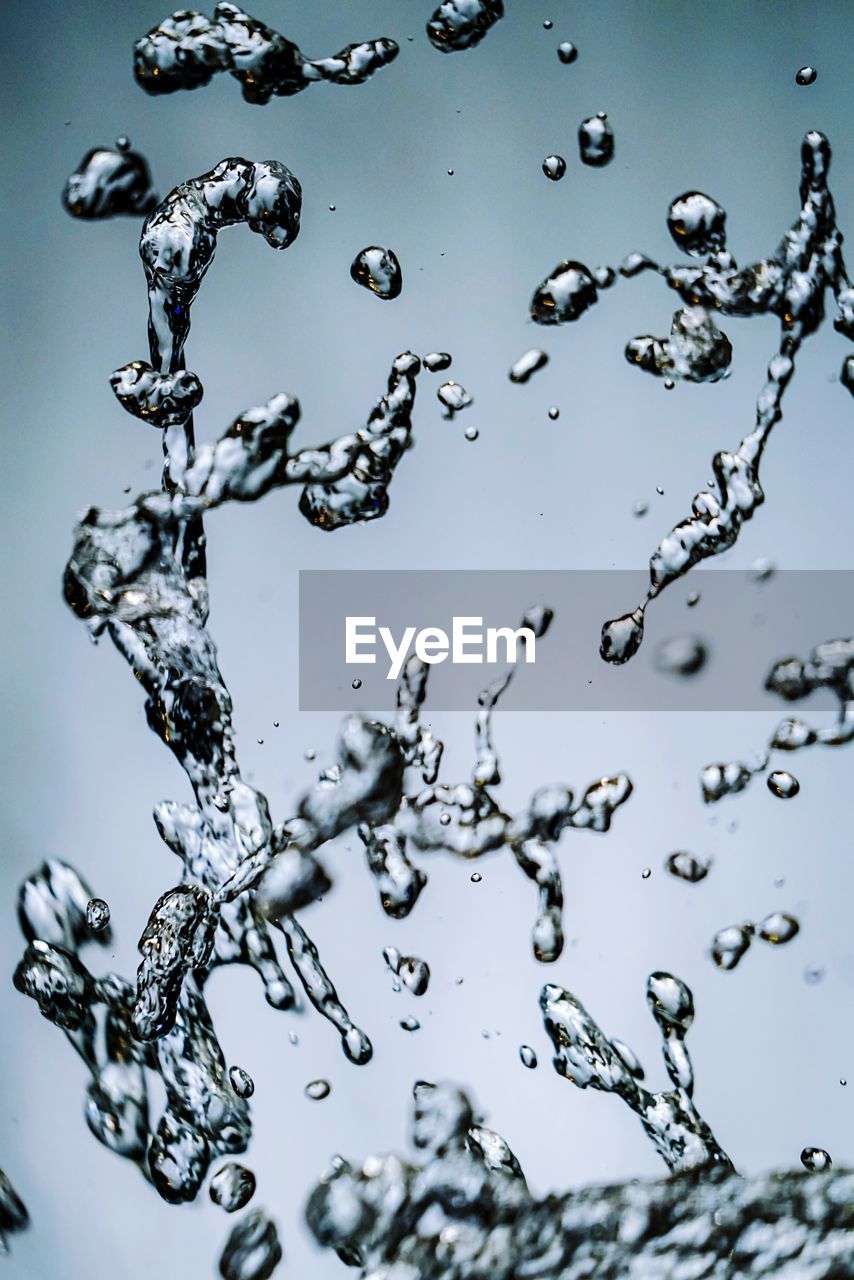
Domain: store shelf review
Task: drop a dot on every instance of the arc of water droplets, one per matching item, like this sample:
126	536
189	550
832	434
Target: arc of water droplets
587	1058
790	284
829	666
461	1210
187	50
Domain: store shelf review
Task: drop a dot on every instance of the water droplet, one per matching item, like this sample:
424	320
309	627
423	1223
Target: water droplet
357	684
232	1187
241	1082
317	1090
697	224
293	1037
309	754
476	877
692	599
527	365
332	208
762	570
436	361
554	413
813	974
684	866
548	24
783	784
816	1159
565	295
450	173
410	1024
646	873
554	167
730	944
843	1082
567	52
378	269
453	397
472	433
596	141
97	914
640	509
681	656
806	75
778	928
528	1056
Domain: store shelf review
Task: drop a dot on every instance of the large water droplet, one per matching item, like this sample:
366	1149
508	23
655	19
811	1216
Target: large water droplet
317	1090
97	914
378	269
241	1082
596	141
806	75
783	784
232	1187
816	1159
554	167
567	51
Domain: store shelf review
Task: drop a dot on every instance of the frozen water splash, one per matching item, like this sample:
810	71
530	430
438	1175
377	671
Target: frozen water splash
461	1210
461	24
830	667
187	50
110	181
587	1058
13	1213
790	284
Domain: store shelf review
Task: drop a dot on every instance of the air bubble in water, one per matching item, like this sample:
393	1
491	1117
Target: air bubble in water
527	365
528	1056
783	784
567	52
816	1159
453	397
681	656
378	269
97	914
684	866
232	1187
596	141
317	1090
554	167
241	1082
806	75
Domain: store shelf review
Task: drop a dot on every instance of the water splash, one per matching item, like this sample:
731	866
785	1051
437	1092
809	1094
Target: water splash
585	1057
462	24
790	285
830	667
187	50
110	181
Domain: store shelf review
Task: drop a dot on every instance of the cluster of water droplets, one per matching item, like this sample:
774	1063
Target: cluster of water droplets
187	49
730	944
829	667
790	285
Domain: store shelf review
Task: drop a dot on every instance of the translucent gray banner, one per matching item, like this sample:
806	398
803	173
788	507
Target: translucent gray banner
709	641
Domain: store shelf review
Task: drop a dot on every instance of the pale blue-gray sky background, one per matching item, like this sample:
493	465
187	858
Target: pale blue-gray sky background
699	96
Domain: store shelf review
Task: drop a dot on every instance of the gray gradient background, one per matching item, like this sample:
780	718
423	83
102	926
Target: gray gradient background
699	95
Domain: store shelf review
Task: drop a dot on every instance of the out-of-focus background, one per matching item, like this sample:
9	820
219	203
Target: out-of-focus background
699	96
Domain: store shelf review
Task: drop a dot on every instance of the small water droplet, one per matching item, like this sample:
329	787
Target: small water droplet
813	974
692	599
472	433
450	173
783	784
806	75
684	866
332	208
123	142
436	361
453	397
554	167
410	1024
548	24
527	1056
445	818
567	52
778	928
640	509
317	1090
762	570
554	413
241	1082
293	1037
309	754
646	873
357	684
476	877
596	141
